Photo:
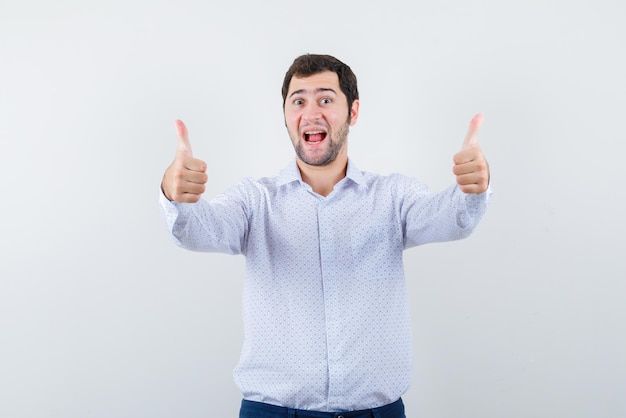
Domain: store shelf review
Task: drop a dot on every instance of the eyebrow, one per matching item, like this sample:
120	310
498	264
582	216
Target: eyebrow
317	90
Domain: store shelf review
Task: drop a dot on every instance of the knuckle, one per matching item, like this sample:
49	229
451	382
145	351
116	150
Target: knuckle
179	176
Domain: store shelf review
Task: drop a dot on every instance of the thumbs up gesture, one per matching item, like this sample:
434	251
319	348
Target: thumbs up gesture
470	166
184	180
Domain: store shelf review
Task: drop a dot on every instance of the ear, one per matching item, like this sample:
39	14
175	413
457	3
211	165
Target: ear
354	112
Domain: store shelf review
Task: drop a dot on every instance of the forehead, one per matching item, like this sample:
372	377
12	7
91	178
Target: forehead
312	83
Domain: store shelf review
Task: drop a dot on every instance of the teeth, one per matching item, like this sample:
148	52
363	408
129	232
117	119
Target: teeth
313	132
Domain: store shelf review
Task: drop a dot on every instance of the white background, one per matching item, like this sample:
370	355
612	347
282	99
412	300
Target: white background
101	315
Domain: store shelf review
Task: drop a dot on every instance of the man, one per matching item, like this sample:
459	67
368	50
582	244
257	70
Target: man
326	318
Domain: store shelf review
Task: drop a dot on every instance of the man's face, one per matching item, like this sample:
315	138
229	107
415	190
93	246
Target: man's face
316	115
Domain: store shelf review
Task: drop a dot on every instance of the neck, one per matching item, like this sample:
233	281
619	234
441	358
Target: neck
323	179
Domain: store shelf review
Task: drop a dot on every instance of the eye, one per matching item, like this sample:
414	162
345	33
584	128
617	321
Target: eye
326	100
298	102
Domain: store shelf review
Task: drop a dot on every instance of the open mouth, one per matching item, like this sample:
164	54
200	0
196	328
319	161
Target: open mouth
314	137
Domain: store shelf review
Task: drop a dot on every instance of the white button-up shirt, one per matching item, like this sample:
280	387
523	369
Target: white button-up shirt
325	310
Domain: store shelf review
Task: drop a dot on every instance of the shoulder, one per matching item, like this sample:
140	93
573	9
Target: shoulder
260	188
393	181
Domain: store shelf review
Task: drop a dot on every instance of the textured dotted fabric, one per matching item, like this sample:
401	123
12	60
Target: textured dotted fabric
325	310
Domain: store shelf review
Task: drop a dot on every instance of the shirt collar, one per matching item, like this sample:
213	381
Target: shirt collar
291	173
353	173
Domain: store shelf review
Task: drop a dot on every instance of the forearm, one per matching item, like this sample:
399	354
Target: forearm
205	226
445	216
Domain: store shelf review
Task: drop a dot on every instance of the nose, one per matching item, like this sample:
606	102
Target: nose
311	113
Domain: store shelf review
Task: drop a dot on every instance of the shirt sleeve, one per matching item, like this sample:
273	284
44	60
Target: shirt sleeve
436	217
219	225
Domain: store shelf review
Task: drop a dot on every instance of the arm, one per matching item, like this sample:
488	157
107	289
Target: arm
220	225
436	217
194	223
453	213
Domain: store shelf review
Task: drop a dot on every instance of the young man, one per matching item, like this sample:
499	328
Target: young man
326	317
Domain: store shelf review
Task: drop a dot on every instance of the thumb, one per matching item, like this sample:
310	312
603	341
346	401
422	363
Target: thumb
184	147
471	138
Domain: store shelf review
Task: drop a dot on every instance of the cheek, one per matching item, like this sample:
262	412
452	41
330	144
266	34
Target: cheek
292	122
334	120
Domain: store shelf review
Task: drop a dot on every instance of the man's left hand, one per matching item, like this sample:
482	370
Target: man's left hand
470	166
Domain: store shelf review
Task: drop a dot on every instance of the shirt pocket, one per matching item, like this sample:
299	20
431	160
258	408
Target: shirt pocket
374	241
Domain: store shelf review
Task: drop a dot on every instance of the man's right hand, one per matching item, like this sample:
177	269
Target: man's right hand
184	181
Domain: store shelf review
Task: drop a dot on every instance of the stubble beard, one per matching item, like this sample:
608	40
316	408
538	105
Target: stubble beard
332	150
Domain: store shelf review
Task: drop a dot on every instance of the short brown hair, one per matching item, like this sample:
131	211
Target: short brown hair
309	64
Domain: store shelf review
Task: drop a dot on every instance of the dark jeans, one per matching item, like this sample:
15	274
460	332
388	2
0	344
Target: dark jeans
250	409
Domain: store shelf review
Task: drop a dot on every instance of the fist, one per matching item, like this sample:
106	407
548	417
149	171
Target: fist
470	166
184	180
